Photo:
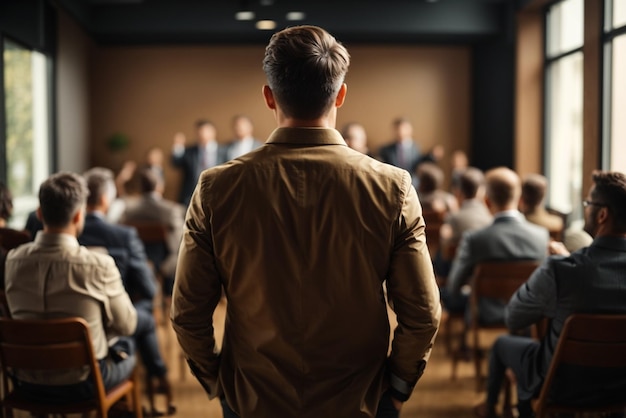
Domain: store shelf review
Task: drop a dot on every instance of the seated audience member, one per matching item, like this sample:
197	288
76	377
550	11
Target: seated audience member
9	238
509	237
54	277
355	136
432	197
531	203
123	244
151	206
472	215
590	280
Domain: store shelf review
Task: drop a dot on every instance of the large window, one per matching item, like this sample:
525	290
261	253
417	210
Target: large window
27	145
614	147
564	105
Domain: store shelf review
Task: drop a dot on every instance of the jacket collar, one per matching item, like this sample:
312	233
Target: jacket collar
306	136
46	239
612	243
508	216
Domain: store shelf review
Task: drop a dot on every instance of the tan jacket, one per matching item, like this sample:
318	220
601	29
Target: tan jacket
301	233
55	277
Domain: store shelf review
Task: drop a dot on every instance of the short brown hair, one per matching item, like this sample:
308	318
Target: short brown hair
149	180
100	182
60	197
305	67
430	177
470	181
534	190
503	186
610	190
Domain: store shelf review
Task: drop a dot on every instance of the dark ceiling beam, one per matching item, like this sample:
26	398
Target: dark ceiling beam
180	21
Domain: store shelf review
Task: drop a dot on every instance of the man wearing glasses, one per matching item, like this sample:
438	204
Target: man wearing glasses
590	280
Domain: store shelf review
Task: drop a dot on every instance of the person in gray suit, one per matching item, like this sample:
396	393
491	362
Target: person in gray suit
590	280
509	237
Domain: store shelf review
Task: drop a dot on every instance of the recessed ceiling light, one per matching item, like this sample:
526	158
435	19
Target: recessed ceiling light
266	25
245	15
295	16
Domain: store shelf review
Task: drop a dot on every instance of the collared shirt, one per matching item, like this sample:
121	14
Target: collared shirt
301	233
55	277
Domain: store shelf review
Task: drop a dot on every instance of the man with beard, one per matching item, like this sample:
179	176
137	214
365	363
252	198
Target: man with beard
590	280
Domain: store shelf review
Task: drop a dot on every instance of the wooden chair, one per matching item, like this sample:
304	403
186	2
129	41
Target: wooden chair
50	345
587	340
433	220
495	280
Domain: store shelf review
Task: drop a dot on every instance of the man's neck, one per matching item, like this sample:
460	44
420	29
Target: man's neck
67	230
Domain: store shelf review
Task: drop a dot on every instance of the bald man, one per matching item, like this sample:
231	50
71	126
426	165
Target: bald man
509	237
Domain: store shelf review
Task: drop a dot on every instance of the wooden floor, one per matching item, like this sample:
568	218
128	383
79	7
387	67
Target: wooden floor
436	395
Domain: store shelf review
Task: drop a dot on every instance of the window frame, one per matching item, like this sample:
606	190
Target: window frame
609	33
548	61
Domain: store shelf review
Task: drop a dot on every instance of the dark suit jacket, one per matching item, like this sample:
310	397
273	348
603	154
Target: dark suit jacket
389	154
189	163
591	280
124	245
507	238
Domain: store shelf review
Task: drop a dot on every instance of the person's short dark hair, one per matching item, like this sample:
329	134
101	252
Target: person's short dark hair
534	190
149	180
503	186
6	202
305	68
430	177
100	182
399	121
202	122
469	181
61	196
610	190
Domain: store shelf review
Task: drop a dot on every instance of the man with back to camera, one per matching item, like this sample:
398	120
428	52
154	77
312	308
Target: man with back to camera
301	233
55	277
590	280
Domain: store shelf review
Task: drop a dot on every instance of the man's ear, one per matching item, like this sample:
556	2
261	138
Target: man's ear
39	214
602	215
341	95
268	95
76	219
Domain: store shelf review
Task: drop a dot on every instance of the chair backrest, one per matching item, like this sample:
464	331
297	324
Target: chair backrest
498	280
587	340
47	345
154	235
433	220
150	231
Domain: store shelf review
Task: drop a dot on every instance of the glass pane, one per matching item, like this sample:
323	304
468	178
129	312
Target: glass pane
565	22
565	133
619	13
28	141
617	159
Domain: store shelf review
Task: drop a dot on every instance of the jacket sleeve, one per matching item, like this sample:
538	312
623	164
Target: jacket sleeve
535	299
197	291
121	316
413	291
462	265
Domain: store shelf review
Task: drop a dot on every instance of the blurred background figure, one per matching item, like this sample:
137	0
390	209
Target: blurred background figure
532	205
430	179
355	136
194	159
243	141
403	151
9	238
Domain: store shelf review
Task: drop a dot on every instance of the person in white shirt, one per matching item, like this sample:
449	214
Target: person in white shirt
243	142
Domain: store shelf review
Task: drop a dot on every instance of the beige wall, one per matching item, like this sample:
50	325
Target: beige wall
73	96
150	93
